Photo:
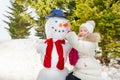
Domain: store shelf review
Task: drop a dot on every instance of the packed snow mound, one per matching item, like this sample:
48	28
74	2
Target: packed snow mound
19	60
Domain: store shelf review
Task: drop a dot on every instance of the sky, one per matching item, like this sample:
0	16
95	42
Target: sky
4	35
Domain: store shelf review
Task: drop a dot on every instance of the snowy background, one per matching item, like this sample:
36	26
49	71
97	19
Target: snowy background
19	60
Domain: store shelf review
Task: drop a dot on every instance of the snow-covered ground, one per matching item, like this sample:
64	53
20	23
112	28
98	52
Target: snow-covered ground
19	60
111	72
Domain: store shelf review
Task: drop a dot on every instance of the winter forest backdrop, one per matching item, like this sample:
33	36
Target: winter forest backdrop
27	15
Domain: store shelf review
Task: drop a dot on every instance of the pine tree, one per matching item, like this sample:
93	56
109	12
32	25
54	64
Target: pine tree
43	8
18	25
110	27
106	14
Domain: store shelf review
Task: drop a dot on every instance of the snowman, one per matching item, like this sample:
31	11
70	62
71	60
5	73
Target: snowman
55	49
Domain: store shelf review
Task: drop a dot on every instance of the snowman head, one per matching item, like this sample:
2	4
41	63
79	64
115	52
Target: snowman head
57	25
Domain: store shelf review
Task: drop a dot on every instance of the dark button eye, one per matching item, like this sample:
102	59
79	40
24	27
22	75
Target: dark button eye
52	27
56	21
55	30
59	31
63	31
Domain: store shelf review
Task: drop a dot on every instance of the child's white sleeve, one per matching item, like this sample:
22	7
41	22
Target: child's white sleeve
72	38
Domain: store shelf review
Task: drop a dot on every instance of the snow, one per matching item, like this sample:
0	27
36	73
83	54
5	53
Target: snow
19	60
111	73
32	13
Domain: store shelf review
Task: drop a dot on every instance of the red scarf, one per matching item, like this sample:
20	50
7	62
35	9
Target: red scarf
47	59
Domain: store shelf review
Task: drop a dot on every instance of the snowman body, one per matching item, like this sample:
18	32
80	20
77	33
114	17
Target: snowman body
56	28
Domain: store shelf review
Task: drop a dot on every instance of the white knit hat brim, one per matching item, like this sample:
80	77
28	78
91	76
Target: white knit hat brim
89	27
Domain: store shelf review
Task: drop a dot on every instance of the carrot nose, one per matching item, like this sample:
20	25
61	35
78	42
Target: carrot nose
60	24
65	24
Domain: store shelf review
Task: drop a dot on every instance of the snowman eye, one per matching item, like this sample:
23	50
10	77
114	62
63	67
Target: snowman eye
52	27
55	30
56	21
63	31
59	31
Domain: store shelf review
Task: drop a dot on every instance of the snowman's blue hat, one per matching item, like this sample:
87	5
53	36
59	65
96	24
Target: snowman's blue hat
56	13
